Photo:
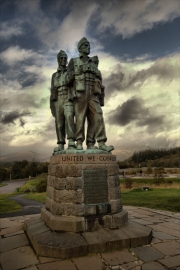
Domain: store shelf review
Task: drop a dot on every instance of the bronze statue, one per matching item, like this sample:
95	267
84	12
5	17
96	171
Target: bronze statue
61	105
85	78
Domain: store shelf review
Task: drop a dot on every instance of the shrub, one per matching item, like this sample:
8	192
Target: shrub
41	187
128	182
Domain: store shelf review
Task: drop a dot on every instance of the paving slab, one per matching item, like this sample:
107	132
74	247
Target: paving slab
18	258
163	236
165	230
130	265
141	221
139	234
148	253
172	225
168	248
14	233
153	219
64	265
16	241
6	223
90	263
118	257
30	268
171	261
11	230
48	259
152	266
155	240
106	240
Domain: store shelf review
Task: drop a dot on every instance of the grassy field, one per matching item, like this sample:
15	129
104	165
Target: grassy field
7	205
139	182
156	198
165	196
40	197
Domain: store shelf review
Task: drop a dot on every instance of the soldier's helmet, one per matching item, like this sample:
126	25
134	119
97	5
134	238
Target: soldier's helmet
81	42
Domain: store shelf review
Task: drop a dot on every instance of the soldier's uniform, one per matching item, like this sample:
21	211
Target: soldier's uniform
87	98
62	108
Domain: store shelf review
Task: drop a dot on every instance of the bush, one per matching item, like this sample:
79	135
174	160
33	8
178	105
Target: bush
128	182
41	187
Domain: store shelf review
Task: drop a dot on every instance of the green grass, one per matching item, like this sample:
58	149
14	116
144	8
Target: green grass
7	205
31	184
2	185
41	197
156	198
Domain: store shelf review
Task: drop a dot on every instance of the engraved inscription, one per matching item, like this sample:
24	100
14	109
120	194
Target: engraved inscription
95	186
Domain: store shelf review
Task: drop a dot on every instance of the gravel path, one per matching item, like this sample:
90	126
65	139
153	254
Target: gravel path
11	186
30	207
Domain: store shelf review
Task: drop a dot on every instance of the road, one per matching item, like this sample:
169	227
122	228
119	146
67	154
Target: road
11	186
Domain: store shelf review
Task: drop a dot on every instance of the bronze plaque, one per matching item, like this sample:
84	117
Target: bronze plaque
95	186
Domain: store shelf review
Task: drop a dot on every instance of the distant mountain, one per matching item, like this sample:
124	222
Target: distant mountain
123	153
29	155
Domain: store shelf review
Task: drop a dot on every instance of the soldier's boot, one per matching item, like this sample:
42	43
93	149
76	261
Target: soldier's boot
79	145
59	148
104	147
91	146
71	144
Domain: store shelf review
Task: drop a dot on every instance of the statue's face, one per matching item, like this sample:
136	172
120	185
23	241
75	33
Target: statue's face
85	48
62	60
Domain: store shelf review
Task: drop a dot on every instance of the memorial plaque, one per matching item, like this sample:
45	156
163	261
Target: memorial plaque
95	186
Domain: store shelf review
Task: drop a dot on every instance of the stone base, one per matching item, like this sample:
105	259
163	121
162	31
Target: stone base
66	245
82	224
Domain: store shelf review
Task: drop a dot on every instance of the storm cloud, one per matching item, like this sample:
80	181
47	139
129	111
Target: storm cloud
10	118
133	110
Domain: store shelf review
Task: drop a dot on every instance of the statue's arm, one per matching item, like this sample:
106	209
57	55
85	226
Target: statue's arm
53	89
53	96
70	73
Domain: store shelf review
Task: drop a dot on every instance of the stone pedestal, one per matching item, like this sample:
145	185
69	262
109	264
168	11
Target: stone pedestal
83	193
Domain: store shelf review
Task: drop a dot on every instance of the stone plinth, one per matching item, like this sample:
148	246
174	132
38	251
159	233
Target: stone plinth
83	193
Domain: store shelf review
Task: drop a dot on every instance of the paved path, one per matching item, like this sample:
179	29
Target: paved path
30	207
11	186
162	253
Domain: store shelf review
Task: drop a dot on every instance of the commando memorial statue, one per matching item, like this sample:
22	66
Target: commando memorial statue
77	94
83	213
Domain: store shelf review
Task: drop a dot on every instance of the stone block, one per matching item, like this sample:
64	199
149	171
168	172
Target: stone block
116	205
103	208
49	202
89	209
60	183
107	221
50	180
93	223
114	181
114	193
73	183
51	170
73	170
119	219
59	208
50	192
113	169
139	234
80	210
106	240
68	196
70	209
147	254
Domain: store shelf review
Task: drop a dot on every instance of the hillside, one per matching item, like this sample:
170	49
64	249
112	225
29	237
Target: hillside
29	156
167	158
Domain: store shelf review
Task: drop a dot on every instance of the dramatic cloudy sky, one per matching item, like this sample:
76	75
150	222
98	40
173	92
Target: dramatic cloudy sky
137	42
